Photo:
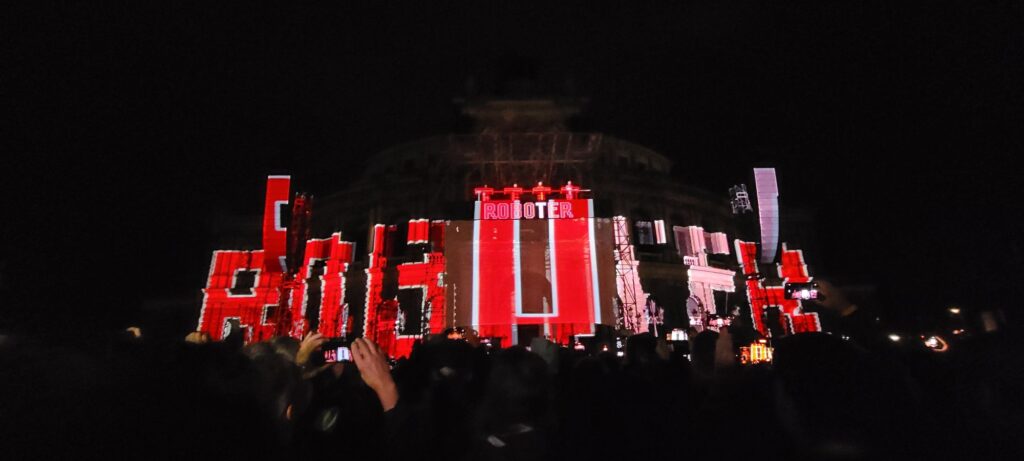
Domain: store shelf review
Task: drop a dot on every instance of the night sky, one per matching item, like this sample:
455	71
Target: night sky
129	128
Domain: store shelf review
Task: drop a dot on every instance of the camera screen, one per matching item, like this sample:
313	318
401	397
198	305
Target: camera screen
802	291
337	354
806	294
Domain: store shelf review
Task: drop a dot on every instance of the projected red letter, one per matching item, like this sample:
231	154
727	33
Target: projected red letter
792	269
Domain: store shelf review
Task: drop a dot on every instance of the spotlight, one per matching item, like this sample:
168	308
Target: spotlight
894	338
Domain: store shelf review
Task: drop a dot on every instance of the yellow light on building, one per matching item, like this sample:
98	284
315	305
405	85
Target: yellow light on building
756	352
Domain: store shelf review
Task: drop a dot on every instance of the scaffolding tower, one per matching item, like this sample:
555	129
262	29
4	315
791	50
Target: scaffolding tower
627	280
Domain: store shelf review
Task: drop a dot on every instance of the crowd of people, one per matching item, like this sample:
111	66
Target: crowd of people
825	396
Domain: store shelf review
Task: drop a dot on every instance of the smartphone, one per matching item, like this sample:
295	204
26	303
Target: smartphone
720	321
804	291
337	354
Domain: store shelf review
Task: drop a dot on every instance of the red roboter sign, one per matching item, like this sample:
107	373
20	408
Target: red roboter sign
567	207
550	209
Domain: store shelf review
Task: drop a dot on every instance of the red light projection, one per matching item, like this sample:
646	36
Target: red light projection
257	288
550	209
239	287
792	270
275	224
531	265
534	262
419	231
322	274
396	319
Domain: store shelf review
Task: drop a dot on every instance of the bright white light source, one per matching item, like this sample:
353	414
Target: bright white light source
954	310
620	353
894	338
936	344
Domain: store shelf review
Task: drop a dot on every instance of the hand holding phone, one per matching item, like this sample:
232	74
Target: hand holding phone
337	354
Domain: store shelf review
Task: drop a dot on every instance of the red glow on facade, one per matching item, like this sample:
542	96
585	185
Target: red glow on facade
791	270
384	316
266	296
562	296
275	226
333	317
534	262
224	297
419	231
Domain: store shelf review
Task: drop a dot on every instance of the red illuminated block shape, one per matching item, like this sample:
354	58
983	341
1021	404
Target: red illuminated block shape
256	288
419	231
275	224
239	288
324	264
247	285
421	283
791	270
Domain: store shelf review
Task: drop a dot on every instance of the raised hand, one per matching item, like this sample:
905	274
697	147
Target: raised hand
373	366
310	344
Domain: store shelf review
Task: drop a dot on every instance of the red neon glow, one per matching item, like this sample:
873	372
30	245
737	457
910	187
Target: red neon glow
483	193
792	270
513	192
549	209
541	191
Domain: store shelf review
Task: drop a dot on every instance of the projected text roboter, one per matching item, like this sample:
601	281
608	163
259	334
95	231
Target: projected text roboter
550	209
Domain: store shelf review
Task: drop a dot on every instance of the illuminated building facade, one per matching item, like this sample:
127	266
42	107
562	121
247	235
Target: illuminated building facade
519	229
523	142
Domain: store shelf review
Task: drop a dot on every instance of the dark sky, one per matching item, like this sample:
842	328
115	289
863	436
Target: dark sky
128	127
